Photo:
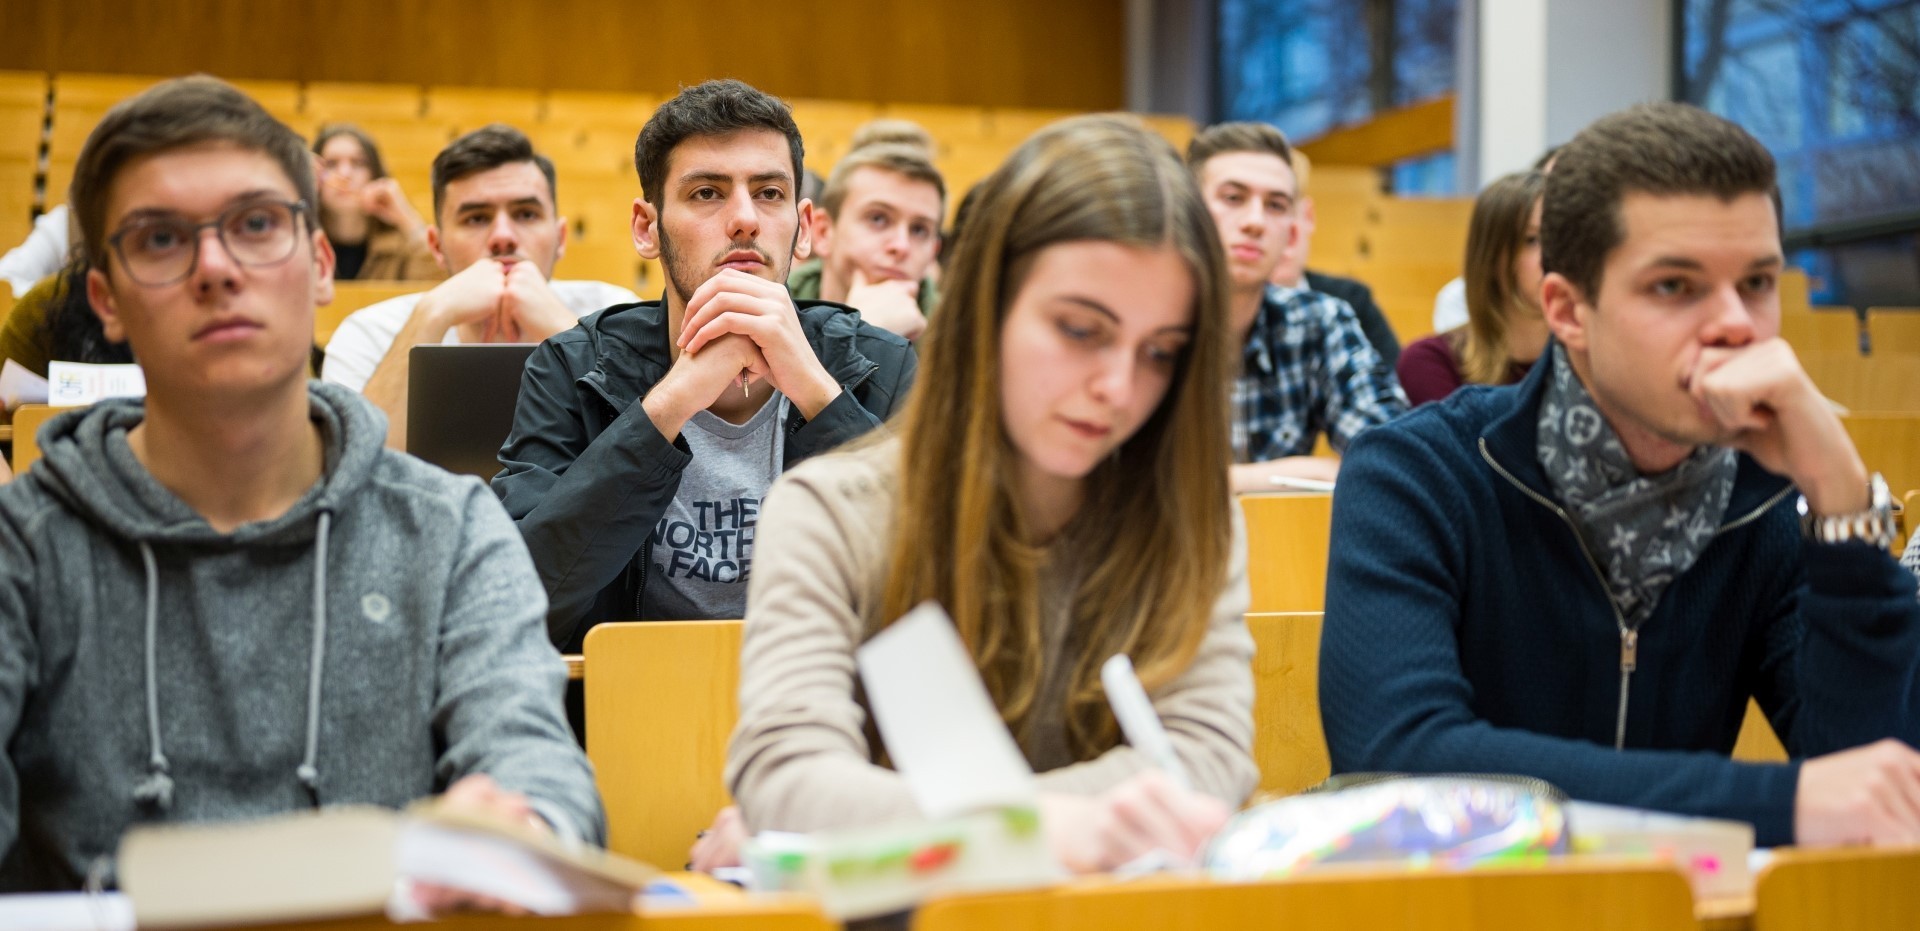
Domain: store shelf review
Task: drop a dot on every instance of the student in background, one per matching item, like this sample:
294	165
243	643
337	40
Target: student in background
1505	332
1292	272
41	254
54	322
1911	558
645	437
1586	576
498	233
375	231
1080	356
1306	367
229	600
879	219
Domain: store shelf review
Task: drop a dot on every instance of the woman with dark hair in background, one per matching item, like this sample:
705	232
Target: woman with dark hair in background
376	233
1505	331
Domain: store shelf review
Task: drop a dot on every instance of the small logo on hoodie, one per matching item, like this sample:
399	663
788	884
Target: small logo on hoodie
376	608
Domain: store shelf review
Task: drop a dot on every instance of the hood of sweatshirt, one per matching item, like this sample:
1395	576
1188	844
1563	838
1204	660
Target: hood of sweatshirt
89	466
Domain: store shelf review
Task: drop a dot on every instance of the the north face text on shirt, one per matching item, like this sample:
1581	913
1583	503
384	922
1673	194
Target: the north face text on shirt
718	549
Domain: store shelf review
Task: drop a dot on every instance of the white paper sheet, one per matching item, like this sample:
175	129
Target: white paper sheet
73	384
19	386
67	911
941	728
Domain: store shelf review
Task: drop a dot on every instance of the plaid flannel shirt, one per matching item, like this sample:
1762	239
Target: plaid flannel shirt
1308	368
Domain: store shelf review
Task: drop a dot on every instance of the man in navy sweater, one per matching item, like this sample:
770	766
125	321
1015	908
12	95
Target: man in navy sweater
1584	577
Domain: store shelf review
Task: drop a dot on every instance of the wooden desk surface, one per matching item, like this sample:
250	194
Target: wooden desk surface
720	907
1857	889
1575	893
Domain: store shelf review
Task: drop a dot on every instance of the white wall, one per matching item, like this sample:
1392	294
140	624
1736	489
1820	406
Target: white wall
1603	55
1547	68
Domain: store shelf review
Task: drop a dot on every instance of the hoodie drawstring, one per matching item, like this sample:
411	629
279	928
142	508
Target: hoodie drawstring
309	771
157	789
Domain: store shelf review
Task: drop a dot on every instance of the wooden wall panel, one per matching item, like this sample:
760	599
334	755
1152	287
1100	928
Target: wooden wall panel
1007	53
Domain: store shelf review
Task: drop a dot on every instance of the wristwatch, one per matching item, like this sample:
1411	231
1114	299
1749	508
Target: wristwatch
1873	525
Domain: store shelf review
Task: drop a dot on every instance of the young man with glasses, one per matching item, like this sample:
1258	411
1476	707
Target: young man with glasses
230	600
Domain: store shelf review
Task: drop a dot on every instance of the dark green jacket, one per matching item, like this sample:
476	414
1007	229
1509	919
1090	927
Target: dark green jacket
587	475
804	285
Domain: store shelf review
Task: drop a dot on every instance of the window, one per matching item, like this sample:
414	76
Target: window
1308	66
1833	88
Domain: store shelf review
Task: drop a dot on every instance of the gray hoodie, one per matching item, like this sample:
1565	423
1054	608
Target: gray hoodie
380	640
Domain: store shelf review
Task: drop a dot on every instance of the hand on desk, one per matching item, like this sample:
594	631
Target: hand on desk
1135	818
719	845
1867	795
478	794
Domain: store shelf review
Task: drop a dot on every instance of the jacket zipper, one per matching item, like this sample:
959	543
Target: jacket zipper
1629	636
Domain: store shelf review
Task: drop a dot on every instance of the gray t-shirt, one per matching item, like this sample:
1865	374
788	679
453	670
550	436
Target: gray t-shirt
702	548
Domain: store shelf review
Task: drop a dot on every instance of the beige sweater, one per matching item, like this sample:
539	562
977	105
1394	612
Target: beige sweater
799	760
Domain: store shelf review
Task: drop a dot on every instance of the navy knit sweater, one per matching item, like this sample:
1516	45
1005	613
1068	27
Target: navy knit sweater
1468	631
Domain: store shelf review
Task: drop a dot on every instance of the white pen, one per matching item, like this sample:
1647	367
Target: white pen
1138	720
1302	484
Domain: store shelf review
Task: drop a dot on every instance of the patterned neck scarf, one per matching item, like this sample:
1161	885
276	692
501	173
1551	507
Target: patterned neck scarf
1642	530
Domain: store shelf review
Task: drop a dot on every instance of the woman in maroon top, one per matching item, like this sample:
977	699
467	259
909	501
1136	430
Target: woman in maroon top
1505	331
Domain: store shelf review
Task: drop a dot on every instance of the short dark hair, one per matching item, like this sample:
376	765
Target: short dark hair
485	149
712	108
172	115
1221	138
1662	149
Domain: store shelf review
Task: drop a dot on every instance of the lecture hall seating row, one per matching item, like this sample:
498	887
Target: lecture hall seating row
588	134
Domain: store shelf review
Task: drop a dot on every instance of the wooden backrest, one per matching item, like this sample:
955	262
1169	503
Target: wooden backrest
662	698
329	101
1796	292
1889	443
1829	329
23	113
948	123
1894	330
1563	894
1883	381
1288	744
1287	537
1757	742
1854	888
27	421
470	108
349	296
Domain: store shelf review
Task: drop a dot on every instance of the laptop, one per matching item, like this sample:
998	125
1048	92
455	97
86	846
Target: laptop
460	402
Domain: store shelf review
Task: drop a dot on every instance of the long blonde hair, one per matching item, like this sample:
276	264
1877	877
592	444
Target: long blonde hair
1155	520
1495	235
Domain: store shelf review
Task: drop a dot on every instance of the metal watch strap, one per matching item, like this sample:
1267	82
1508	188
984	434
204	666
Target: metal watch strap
1873	525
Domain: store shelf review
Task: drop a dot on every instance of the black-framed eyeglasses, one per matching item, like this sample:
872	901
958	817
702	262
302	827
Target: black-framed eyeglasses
162	250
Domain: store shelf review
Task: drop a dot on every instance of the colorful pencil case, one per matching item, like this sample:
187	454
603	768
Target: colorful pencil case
1421	821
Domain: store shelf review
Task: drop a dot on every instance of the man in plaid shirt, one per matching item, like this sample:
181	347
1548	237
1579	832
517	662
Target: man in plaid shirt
1307	365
